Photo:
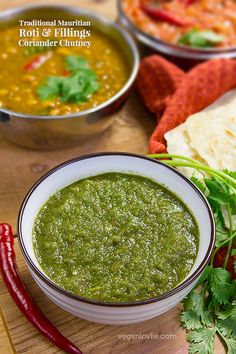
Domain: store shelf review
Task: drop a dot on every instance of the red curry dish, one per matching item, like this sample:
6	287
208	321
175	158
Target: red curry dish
196	23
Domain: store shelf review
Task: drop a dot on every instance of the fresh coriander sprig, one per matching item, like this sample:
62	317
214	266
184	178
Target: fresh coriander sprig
76	87
210	309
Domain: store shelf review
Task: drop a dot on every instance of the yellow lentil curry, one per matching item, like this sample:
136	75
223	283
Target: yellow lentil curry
59	80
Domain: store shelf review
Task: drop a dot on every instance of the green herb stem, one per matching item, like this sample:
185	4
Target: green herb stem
160	156
221	245
193	164
230	232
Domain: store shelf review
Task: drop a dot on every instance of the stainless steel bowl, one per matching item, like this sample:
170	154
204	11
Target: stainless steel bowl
53	132
174	51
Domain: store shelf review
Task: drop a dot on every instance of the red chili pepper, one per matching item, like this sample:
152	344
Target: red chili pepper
220	259
187	2
164	15
36	62
21	296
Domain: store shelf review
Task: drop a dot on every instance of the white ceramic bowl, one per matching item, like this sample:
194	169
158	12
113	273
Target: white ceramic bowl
85	166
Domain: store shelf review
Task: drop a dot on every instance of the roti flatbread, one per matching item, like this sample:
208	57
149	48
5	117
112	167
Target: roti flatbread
208	136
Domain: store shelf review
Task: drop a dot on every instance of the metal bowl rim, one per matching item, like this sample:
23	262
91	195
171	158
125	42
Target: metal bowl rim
80	11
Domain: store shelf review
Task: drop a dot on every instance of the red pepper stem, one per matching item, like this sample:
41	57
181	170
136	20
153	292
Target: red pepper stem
21	296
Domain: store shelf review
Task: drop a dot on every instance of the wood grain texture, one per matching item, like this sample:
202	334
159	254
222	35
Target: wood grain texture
6	346
20	168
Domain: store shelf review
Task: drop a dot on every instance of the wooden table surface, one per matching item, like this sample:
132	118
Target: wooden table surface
20	168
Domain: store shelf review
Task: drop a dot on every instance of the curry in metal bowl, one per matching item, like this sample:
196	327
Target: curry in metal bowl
116	237
59	80
205	24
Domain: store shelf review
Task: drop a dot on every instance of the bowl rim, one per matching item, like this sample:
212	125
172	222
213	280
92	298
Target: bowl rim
59	289
178	50
14	12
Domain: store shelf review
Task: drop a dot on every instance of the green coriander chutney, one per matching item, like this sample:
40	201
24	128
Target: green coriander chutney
116	238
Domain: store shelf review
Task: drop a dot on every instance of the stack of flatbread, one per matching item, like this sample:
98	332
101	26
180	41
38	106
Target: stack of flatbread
208	136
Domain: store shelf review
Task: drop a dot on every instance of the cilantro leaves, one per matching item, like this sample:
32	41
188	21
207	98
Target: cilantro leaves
51	89
221	285
227	324
221	196
210	309
201	39
231	344
199	184
76	87
195	312
202	340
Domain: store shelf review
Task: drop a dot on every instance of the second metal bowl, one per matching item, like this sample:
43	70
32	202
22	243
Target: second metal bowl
182	55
